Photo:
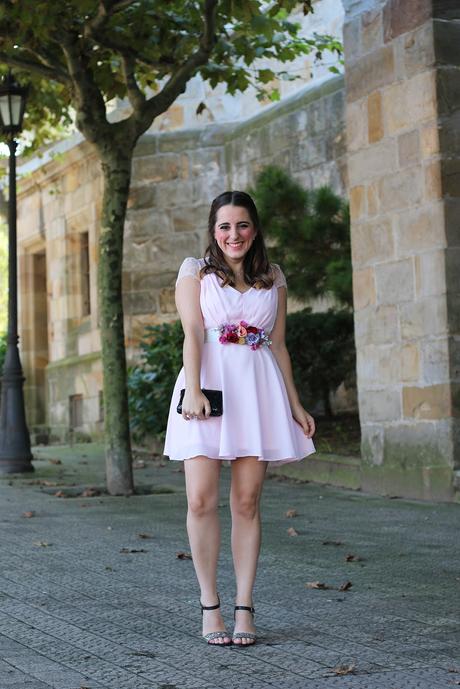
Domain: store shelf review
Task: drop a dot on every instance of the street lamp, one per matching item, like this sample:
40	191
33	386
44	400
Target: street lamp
15	454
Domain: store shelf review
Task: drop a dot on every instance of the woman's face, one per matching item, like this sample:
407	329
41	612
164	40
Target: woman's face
234	232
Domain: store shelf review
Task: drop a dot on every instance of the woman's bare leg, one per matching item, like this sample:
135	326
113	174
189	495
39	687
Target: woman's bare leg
203	528
248	475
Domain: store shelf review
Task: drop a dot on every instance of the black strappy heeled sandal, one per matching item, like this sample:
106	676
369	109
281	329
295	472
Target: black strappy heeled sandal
244	635
215	635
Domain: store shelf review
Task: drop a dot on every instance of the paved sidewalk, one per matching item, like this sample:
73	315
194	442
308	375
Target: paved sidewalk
79	607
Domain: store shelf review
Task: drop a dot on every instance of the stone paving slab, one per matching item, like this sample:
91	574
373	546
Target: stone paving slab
76	611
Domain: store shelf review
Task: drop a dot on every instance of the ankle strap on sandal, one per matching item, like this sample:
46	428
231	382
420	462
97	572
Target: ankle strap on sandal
244	607
210	607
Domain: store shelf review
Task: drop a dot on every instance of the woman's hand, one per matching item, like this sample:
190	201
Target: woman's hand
305	419
195	405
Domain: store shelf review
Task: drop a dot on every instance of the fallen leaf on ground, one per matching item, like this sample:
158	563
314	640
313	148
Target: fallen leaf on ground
291	513
144	535
344	587
60	494
183	556
132	550
49	484
317	585
42	544
352	558
90	493
292	532
332	543
139	464
344	669
54	461
28	514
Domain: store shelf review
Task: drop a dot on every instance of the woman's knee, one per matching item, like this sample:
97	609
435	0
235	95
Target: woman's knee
245	505
201	505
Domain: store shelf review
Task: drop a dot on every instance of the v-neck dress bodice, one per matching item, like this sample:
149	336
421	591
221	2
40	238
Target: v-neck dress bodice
257	419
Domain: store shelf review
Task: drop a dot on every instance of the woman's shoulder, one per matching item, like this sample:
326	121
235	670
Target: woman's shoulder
190	267
278	275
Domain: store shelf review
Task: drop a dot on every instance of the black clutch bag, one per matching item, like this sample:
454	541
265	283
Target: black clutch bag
214	397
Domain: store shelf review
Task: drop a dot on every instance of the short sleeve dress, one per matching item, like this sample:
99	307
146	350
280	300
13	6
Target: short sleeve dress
257	419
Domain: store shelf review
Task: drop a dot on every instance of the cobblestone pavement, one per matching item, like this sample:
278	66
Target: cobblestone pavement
85	601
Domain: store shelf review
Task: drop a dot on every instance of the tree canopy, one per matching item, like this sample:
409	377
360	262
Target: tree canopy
77	55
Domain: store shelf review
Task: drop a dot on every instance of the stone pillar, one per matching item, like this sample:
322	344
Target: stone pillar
403	107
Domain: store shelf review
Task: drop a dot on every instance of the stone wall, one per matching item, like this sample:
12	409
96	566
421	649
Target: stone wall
174	178
402	89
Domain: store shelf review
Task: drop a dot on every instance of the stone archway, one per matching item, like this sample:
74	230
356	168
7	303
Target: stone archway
402	110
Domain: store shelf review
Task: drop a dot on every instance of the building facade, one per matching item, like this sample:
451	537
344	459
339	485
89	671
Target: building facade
384	135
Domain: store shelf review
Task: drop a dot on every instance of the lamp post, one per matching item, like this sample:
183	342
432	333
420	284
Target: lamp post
15	454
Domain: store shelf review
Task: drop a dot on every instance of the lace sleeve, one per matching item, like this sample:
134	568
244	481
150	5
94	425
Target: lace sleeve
280	280
190	267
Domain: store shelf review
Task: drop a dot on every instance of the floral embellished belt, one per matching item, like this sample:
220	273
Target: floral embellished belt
238	333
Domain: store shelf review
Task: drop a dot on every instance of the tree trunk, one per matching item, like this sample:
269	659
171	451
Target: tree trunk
116	166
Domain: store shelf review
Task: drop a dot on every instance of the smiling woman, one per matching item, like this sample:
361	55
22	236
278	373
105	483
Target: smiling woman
232	305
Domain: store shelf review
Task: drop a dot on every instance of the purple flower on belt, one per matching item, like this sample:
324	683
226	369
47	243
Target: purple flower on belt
243	333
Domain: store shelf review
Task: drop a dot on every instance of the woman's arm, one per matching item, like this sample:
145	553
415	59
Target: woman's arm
195	403
283	359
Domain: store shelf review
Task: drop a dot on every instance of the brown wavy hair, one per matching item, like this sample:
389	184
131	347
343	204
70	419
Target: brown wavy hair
257	270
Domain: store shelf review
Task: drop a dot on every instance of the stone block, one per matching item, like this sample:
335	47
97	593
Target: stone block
378	366
435	360
446	41
410	362
454	359
449	134
371	242
160	167
364	76
410	102
415	51
401	190
429	139
395	282
448	89
400	16
424	318
167	301
452	271
356	119
452	214
376	325
430	402
379	405
373	205
175	193
372	439
409	148
352	39
430	273
136	303
357	202
371	30
433	187
421	442
450	174
143	224
419	229
142	196
363	288
374	117
371	162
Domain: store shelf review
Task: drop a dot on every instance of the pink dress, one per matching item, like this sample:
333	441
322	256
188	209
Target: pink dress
257	419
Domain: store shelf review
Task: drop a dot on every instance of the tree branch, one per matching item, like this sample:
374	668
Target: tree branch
135	95
104	12
90	106
53	73
177	82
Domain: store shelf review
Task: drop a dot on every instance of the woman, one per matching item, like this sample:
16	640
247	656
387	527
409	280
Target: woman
262	421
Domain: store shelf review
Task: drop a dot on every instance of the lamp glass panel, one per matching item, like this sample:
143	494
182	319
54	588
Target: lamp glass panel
10	110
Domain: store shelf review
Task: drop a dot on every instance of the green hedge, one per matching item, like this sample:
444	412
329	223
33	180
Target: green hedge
2	352
322	351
